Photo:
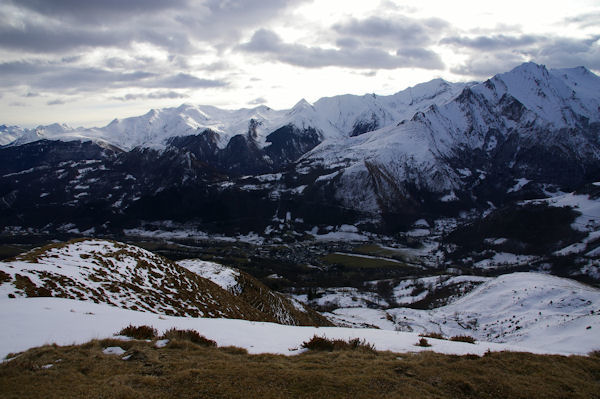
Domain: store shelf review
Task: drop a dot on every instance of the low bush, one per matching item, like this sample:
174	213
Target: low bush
423	342
317	343
139	332
188	335
463	338
432	335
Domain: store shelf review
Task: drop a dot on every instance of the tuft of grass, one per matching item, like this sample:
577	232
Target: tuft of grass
432	335
139	332
317	343
463	338
423	342
188	335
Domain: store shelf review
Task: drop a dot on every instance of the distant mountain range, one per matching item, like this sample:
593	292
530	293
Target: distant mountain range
432	151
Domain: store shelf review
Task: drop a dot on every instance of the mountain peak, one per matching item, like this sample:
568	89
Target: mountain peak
529	68
302	104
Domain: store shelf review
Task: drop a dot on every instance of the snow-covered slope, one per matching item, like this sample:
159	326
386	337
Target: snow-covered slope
120	275
513	122
31	322
333	117
526	309
282	309
129	277
9	134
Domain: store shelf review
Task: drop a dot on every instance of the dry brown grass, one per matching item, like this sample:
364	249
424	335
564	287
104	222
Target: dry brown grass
193	371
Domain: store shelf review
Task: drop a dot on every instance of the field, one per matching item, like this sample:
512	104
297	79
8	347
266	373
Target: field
362	261
186	370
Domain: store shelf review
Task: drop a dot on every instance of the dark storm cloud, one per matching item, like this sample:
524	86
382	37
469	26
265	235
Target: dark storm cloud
267	42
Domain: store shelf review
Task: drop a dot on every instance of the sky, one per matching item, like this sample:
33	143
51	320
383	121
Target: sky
85	63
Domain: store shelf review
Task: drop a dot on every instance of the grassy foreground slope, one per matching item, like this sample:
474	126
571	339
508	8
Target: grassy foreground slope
183	369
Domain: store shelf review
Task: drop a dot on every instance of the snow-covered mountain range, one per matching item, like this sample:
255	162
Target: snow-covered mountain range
380	163
333	117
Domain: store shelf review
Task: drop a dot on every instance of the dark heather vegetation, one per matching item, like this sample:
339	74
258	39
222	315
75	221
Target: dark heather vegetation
189	370
432	335
463	338
139	332
188	335
317	343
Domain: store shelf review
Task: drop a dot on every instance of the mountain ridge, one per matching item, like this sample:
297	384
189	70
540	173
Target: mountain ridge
455	149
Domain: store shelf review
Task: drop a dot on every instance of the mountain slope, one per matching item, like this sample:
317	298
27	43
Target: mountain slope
529	123
528	309
128	277
285	310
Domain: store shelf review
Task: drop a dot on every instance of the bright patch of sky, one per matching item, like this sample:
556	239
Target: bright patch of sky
85	63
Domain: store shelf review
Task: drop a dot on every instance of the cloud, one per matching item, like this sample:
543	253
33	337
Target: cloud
48	76
488	55
89	11
493	42
177	26
151	96
185	81
268	42
257	101
398	29
56	102
589	20
421	56
488	64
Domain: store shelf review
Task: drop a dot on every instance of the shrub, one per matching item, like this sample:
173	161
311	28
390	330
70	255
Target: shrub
423	342
139	332
463	338
317	343
188	335
432	335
